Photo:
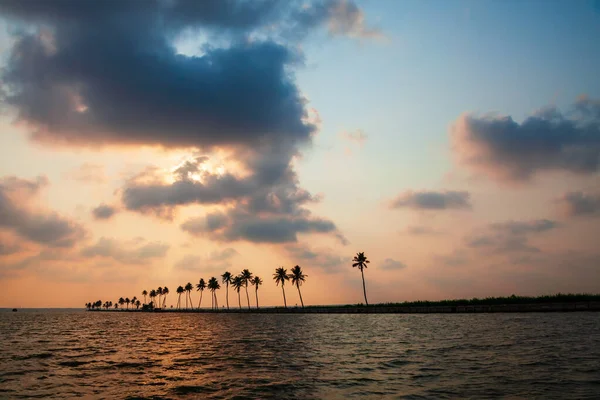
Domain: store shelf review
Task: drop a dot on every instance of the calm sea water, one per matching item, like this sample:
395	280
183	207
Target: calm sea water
126	355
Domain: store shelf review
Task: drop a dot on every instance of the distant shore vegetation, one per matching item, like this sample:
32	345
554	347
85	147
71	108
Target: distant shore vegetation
297	277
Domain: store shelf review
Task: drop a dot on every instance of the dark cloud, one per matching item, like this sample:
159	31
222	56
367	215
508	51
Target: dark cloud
579	203
325	259
546	141
430	200
218	260
390	264
510	236
104	211
124	252
19	216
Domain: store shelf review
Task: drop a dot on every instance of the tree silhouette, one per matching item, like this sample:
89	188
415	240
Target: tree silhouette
246	276
298	278
121	301
256	281
144	293
213	284
237	284
137	304
179	292
281	276
200	287
116	305
165	293
188	288
226	277
127	301
360	261
159	293
152	295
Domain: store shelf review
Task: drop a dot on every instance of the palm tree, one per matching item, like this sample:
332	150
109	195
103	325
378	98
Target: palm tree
246	278
127	301
133	300
200	287
360	261
226	277
152	295
256	281
144	293
137	304
213	284
179	292
298	278
88	305
159	293
116	305
165	293
237	284
281	276
188	288
121	301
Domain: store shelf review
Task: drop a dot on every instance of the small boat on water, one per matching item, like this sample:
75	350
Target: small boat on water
15	310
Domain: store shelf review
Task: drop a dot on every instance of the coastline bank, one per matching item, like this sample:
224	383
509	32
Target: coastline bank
382	309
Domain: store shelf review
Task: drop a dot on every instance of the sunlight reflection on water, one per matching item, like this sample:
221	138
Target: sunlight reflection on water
129	355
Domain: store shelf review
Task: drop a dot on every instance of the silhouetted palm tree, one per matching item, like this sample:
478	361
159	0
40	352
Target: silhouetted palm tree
159	293
137	304
213	284
298	278
179	292
127	301
237	284
188	288
360	261
144	293
165	293
152	295
200	287
116	305
121	301
256	281
227	280
88	305
246	277
133	301
281	276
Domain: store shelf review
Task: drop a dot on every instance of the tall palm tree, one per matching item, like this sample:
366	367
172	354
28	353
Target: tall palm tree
127	301
144	293
200	287
246	278
188	288
256	281
137	304
237	284
280	276
152	296
159	293
133	300
226	277
213	284
298	278
121	301
165	293
179	292
360	261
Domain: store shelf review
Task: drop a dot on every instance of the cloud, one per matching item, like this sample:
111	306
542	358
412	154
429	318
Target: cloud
422	230
358	136
549	140
104	211
510	236
88	173
322	258
430	200
579	204
390	264
126	253
455	259
219	260
18	215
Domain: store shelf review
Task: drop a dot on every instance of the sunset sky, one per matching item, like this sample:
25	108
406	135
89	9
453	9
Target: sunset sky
154	143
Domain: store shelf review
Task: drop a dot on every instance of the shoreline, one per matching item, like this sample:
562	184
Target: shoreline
590	306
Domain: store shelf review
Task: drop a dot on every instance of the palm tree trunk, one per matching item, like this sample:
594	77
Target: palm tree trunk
165	302
191	302
227	293
216	301
284	302
364	288
247	297
300	293
179	302
257	296
239	300
144	299
200	302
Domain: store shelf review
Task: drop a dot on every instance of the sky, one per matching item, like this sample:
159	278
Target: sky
154	143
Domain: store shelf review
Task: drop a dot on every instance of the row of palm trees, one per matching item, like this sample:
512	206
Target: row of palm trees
242	280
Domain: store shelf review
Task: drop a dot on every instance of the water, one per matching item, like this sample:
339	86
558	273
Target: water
65	354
